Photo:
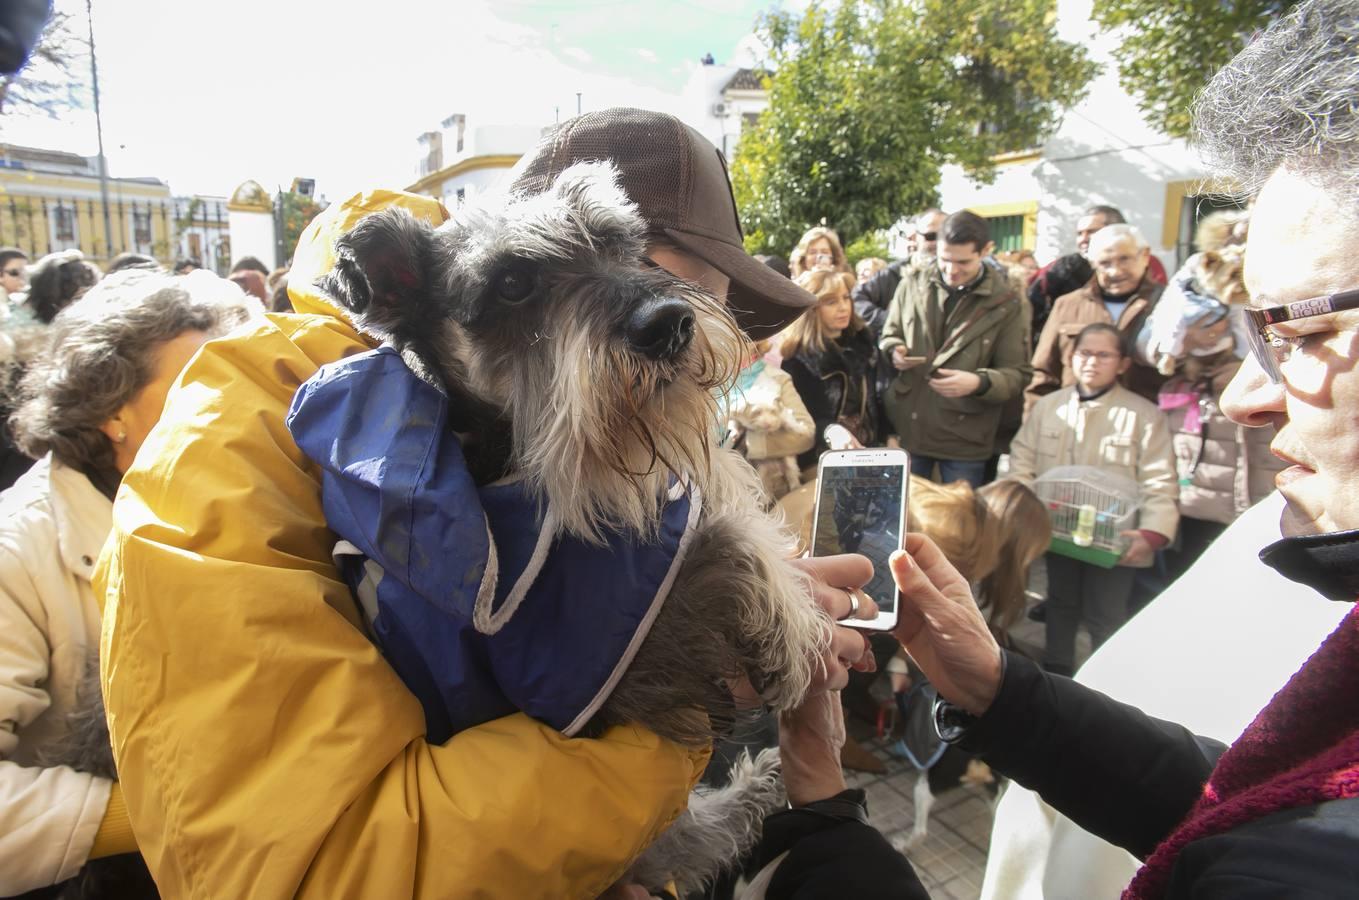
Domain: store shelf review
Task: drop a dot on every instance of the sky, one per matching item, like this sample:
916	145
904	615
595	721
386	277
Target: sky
205	95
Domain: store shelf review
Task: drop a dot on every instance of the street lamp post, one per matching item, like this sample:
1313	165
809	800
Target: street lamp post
99	130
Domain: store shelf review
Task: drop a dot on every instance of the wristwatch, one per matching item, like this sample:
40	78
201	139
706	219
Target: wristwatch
985	384
951	722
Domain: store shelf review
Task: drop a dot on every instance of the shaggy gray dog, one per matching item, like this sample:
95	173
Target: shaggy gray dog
573	362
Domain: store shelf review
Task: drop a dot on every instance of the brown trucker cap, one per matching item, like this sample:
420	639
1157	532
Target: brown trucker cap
679	182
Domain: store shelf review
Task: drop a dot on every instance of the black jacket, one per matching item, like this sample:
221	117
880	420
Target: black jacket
1130	779
1057	279
839	382
872	298
1118	773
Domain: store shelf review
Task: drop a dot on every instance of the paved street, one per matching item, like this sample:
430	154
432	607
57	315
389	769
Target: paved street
952	857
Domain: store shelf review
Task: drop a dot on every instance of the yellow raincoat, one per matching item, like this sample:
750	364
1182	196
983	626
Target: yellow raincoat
266	749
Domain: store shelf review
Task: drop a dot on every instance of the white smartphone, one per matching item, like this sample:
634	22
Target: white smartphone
861	508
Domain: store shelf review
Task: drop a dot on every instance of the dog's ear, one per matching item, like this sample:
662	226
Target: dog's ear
380	266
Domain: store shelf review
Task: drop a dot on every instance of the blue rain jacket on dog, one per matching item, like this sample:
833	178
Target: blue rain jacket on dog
479	609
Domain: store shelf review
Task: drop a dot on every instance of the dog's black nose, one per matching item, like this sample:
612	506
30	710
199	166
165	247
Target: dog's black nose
661	328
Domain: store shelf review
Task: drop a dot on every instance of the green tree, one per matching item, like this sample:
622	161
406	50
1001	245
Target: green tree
298	211
1169	51
870	243
869	98
47	83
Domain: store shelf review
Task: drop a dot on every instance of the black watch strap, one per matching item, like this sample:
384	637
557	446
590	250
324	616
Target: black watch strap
847	806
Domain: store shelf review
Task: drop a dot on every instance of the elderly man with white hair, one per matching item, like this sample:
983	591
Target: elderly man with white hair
1120	293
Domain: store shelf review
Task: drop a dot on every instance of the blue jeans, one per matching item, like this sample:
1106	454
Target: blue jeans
950	470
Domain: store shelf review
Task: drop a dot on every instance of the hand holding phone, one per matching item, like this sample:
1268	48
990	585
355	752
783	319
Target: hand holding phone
861	508
902	361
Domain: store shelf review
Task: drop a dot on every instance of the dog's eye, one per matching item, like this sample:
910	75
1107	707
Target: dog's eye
513	286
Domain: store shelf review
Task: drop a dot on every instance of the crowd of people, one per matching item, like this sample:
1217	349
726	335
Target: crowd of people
163	551
967	359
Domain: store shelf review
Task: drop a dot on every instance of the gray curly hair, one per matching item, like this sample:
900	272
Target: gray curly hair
101	353
1288	99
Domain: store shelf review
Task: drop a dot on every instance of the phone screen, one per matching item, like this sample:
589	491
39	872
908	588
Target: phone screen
860	511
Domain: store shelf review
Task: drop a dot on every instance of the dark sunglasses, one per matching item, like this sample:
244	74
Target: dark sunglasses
930	235
1271	349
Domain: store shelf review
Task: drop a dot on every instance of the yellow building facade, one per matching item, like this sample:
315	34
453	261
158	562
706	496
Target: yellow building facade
51	200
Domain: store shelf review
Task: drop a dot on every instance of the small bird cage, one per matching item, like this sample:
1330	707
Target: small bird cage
1090	509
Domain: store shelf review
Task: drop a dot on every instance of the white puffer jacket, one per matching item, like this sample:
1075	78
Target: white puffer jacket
53	523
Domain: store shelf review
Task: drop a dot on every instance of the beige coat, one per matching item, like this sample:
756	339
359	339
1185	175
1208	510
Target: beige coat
53	522
776	426
795	433
1119	432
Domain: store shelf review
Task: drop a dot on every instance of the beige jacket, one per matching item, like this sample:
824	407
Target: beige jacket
1071	313
1119	432
772	400
53	522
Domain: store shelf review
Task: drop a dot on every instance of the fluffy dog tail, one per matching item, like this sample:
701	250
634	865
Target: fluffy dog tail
717	831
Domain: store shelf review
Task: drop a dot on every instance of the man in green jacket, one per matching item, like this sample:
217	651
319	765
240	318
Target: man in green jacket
956	335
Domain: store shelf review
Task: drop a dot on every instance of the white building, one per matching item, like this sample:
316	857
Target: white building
463	160
203	231
720	101
250	220
1104	152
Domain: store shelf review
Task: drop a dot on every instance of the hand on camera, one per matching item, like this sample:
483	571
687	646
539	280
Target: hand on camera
831	578
902	360
940	625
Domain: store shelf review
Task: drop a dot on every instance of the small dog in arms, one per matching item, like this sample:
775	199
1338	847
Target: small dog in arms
575	374
759	409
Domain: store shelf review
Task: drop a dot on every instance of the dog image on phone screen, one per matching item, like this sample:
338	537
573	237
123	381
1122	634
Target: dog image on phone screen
578	380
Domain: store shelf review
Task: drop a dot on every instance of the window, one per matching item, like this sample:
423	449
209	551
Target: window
141	227
63	223
222	263
1007	232
195	245
1194	211
460	197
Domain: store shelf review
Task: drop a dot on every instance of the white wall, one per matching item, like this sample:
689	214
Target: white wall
700	98
252	234
1103	152
488	139
474	184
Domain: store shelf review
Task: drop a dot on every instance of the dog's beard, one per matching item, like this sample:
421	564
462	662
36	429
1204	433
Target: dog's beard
601	431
